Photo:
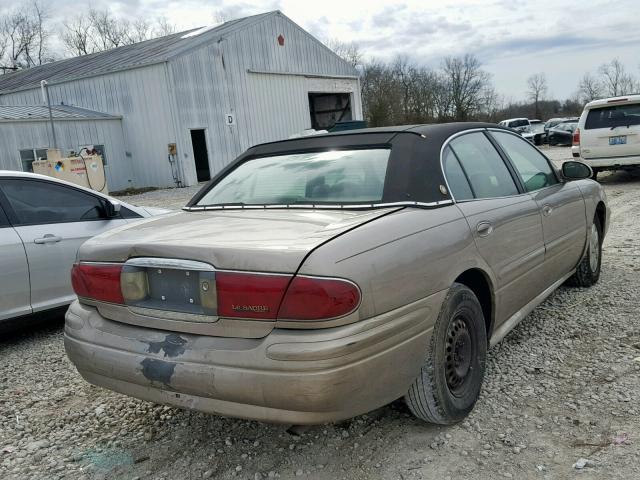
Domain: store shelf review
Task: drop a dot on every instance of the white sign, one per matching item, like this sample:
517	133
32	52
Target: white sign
229	119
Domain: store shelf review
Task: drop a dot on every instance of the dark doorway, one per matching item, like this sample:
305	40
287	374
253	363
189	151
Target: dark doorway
200	155
328	108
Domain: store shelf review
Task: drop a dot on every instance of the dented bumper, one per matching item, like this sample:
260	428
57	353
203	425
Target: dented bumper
289	376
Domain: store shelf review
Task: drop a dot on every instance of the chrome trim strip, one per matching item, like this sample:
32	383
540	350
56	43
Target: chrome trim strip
312	206
171	263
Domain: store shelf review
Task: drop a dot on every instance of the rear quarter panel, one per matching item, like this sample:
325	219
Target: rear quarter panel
400	258
594	194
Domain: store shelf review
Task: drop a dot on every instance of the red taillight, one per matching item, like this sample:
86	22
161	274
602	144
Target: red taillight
97	281
315	298
576	137
250	295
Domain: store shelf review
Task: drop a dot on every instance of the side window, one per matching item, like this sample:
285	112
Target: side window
456	177
534	169
38	202
485	169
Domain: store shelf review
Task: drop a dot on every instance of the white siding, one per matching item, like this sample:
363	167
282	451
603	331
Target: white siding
215	80
141	97
70	134
160	103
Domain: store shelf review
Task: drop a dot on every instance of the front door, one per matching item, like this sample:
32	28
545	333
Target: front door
14	273
561	204
53	220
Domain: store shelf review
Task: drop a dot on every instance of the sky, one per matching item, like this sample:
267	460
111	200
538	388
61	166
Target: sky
512	38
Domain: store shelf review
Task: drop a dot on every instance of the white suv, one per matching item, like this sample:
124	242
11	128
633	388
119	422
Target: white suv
518	124
608	134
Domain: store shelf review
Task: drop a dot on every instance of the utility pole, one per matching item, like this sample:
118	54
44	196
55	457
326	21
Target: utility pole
45	97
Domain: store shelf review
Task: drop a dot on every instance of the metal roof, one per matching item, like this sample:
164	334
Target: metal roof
122	58
41	112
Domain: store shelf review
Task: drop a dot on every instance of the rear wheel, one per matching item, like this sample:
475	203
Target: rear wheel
588	271
594	175
449	383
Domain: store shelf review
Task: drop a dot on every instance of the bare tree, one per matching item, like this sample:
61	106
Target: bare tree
77	36
590	88
465	84
349	51
616	80
537	90
163	27
99	30
23	38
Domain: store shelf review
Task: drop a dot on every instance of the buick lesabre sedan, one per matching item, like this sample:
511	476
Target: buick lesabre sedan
316	279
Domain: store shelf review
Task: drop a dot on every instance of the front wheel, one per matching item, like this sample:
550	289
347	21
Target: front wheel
449	382
588	271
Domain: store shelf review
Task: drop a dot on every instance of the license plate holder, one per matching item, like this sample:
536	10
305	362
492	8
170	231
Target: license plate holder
618	140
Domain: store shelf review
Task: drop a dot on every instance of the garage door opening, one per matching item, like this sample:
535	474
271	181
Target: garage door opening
200	155
328	108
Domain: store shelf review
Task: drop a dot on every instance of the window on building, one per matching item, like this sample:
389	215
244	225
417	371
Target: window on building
28	155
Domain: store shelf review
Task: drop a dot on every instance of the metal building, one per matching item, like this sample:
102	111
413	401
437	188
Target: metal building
177	109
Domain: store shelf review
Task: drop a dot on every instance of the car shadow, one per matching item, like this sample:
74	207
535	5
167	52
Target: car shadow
23	328
619	177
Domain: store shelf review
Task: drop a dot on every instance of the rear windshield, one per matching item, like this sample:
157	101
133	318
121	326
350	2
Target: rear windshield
330	177
518	123
613	116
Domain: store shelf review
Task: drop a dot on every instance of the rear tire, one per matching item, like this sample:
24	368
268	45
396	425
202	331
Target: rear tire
588	271
449	383
594	175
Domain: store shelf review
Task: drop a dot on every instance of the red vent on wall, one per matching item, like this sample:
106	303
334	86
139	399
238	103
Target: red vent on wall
281	40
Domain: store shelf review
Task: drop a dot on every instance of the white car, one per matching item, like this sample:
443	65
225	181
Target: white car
608	134
43	221
517	124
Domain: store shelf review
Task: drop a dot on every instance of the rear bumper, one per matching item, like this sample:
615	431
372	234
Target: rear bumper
612	162
289	376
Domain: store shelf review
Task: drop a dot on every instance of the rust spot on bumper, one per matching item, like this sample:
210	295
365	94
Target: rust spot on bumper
172	346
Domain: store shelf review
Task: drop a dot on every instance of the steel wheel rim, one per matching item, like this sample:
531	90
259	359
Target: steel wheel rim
594	250
459	356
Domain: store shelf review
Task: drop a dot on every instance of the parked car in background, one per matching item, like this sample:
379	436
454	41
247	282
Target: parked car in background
562	133
536	133
516	124
319	278
552	122
43	221
533	121
608	134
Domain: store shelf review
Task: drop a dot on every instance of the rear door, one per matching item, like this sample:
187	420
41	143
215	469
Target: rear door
52	220
14	272
505	222
561	205
611	131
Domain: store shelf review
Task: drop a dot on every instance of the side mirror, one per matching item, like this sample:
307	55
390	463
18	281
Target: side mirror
112	208
573	170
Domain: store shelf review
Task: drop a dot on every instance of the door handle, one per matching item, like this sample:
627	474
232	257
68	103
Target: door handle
546	210
48	238
484	229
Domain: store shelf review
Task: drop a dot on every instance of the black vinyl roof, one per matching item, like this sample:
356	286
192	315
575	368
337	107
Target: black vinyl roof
414	173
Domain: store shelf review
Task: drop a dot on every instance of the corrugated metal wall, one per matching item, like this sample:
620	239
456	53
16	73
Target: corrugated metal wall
141	97
159	104
217	80
70	135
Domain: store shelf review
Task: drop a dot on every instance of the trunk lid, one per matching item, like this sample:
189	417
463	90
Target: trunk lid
272	241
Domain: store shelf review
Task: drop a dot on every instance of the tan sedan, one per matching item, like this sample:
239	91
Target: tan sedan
319	278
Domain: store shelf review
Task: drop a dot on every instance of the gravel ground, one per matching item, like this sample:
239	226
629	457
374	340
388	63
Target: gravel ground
560	400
